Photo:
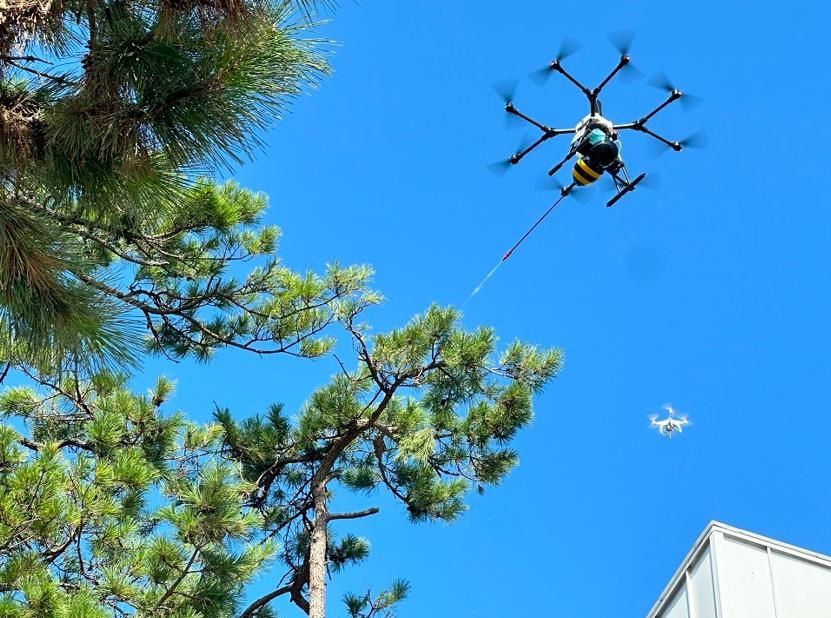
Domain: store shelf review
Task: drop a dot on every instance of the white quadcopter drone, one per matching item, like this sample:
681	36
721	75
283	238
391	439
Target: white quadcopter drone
671	424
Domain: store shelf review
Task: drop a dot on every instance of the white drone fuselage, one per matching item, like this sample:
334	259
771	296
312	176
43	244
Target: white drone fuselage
589	122
670	424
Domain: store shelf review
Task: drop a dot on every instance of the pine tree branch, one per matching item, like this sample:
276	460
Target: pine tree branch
77	400
66	442
214	337
13	61
355	514
264	600
177	582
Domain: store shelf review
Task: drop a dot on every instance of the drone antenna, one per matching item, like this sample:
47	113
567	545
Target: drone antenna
564	192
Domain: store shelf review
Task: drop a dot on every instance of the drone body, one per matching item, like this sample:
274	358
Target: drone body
666	427
596	143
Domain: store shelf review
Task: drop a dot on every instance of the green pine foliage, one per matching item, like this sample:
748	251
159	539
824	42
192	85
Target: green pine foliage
110	506
427	416
115	242
105	230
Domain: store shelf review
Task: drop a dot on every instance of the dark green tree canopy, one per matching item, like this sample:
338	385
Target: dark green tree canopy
427	415
112	505
109	110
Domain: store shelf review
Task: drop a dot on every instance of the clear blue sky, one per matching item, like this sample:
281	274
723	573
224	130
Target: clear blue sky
712	292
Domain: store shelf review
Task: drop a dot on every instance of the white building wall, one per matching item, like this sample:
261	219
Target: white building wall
731	573
701	587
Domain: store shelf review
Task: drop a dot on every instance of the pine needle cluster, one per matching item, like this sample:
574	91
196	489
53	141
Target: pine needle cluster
110	110
110	506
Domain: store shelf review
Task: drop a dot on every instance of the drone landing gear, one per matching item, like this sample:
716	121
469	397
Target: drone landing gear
557	167
623	187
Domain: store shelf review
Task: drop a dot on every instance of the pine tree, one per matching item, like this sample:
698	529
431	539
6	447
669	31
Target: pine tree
428	415
113	114
110	506
109	112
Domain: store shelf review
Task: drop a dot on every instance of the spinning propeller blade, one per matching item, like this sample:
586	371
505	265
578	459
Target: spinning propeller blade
567	48
662	82
549	183
622	40
506	90
500	167
694	140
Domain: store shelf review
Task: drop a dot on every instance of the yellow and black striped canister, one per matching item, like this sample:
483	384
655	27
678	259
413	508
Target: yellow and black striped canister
585	172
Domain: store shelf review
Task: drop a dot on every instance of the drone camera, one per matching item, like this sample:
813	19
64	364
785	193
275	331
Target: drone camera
605	153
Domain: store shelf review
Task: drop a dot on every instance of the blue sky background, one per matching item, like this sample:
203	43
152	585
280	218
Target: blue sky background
712	292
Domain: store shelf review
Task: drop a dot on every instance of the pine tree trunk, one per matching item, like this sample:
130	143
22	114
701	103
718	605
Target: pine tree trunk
317	555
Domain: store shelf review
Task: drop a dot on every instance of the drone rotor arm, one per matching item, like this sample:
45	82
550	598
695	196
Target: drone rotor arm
556	66
509	107
519	156
640	124
673	96
674	145
624	60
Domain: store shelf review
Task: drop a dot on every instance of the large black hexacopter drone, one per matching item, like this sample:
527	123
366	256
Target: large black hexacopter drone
596	142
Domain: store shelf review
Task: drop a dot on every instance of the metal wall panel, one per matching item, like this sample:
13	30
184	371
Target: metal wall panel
732	573
802	589
701	590
677	607
744	580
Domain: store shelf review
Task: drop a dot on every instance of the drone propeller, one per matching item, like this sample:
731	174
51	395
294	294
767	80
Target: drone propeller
567	48
500	167
549	183
694	140
662	82
697	139
506	90
622	41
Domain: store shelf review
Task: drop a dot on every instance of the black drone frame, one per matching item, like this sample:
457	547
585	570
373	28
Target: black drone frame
622	182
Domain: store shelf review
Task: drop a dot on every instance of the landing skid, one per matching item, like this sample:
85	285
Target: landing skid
623	187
